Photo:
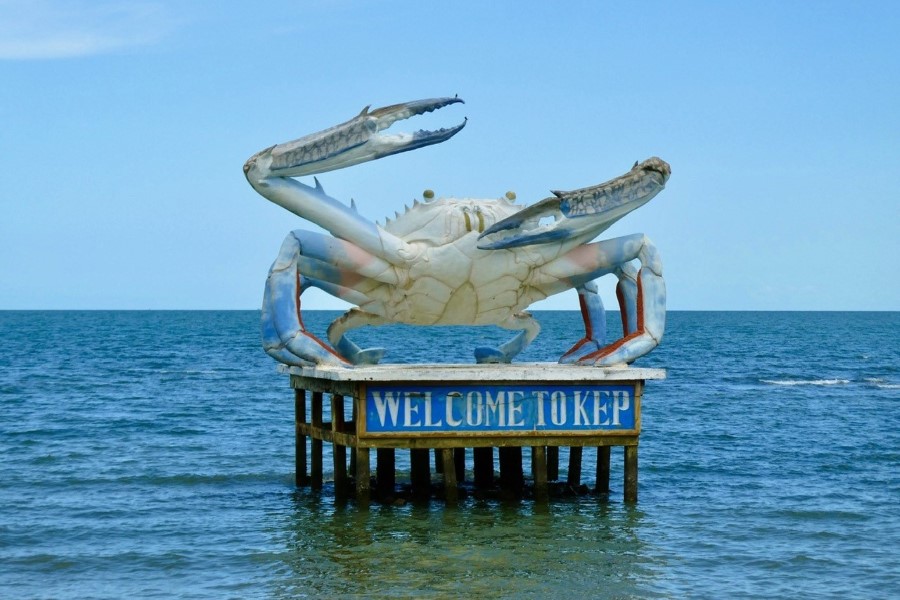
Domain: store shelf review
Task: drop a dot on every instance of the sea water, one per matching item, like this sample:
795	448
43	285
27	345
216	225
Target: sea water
150	455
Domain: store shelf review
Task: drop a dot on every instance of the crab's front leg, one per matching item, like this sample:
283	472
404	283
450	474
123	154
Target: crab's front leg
642	297
309	259
594	316
285	338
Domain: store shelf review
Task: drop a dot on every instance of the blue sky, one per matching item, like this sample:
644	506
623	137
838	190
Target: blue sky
125	125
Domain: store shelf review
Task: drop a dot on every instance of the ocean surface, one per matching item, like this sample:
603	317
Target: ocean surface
150	455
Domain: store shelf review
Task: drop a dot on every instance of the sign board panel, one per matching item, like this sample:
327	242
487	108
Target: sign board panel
454	408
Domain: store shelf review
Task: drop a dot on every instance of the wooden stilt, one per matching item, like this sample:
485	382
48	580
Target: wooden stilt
553	463
363	475
420	472
631	473
459	462
539	473
574	478
316	467
300	476
483	463
602	470
339	452
385	472
511	477
451	491
438	463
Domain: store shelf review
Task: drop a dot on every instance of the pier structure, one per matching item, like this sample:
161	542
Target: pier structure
450	408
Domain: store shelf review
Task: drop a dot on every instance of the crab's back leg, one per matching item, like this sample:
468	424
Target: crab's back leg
642	297
353	319
506	352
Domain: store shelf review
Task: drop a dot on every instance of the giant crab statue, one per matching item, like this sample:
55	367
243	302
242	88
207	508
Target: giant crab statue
451	261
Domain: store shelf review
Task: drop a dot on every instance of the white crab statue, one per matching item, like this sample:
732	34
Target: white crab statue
451	261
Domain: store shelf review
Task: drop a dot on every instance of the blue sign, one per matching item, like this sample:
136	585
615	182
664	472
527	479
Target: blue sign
499	408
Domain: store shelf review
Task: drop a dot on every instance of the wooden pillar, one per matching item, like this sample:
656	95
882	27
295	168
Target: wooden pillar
438	462
574	478
316	481
483	459
539	473
300	477
420	472
459	462
602	470
553	463
363	475
511	477
631	473
339	452
385	472
451	492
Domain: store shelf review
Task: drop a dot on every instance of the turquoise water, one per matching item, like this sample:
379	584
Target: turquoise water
150	454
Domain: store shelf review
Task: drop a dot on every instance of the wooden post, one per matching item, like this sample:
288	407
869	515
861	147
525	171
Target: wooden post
511	477
438	462
574	478
459	461
300	477
553	463
420	472
450	490
602	470
317	442
631	473
539	473
363	475
385	472
483	459
339	452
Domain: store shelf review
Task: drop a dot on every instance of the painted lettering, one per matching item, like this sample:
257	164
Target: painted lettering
515	417
494	406
558	412
387	405
540	395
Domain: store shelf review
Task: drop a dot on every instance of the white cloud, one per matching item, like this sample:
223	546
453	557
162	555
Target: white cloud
47	29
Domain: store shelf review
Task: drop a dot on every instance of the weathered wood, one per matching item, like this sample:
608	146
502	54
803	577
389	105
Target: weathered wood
316	467
553	463
438	462
631	474
363	476
573	479
339	451
602	486
539	473
451	491
385	471
483	464
300	476
420	471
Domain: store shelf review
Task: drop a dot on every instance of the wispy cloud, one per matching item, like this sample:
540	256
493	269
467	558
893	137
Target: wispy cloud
48	29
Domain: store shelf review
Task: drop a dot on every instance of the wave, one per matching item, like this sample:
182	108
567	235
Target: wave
806	381
882	384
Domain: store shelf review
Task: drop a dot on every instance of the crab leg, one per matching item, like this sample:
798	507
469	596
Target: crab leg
642	299
507	351
594	317
353	319
309	259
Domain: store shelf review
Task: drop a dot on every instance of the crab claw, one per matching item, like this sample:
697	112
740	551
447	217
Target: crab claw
579	214
358	140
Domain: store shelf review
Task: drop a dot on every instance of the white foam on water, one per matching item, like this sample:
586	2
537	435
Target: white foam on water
806	381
